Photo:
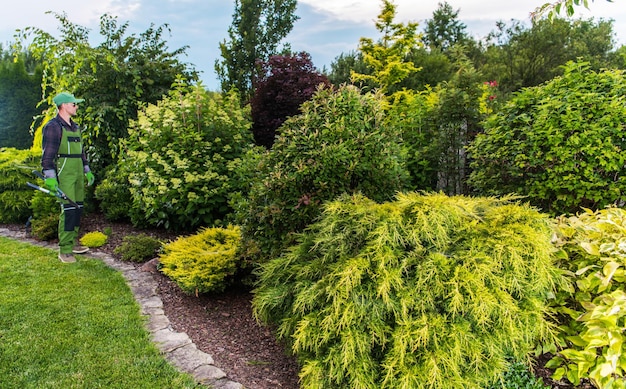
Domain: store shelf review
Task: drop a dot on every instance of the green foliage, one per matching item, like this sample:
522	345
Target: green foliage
19	92
45	216
138	248
15	196
519	57
435	67
338	144
257	29
427	291
387	57
43	204
517	376
592	313
444	30
178	160
412	113
561	144
203	262
114	194
343	65
115	78
45	227
94	239
437	125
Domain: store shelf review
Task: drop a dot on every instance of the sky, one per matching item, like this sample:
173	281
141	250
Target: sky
325	29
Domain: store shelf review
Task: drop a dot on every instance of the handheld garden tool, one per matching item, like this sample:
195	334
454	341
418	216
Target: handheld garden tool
59	193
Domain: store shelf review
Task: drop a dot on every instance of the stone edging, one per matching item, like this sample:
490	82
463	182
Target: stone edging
177	347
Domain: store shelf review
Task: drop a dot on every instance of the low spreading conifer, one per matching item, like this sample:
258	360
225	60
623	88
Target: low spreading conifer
426	291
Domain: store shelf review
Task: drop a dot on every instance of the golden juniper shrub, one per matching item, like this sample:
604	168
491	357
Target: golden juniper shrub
202	263
45	227
15	196
94	239
427	291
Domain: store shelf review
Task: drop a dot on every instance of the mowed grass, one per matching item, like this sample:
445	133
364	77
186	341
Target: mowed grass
73	326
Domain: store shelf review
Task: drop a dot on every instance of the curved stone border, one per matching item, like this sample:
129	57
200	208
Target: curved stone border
177	347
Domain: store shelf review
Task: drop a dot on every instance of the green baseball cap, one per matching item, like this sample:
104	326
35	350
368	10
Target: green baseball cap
65	97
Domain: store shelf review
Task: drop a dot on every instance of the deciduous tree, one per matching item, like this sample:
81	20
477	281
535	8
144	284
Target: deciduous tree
285	82
115	77
520	57
257	29
445	29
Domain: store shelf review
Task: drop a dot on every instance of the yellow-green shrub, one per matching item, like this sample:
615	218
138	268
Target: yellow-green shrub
427	291
593	313
202	262
45	227
15	171
94	239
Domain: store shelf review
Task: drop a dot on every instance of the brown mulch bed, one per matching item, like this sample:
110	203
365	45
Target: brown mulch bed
222	325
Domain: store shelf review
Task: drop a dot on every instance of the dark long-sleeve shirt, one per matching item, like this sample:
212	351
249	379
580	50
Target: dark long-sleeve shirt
52	133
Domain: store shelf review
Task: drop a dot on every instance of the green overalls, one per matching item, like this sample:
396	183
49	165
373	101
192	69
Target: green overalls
71	182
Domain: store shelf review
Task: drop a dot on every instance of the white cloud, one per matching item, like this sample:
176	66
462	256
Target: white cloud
480	15
407	10
27	13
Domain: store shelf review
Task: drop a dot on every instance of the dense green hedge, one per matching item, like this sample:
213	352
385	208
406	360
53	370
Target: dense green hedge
561	144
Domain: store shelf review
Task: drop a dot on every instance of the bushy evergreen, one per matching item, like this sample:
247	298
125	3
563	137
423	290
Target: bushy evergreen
427	291
203	262
45	227
337	144
15	170
138	248
94	239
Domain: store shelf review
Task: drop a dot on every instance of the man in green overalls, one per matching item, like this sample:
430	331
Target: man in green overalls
64	164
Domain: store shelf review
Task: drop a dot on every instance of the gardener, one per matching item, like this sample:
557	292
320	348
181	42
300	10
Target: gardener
64	163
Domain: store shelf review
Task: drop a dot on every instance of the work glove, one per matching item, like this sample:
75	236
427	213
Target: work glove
90	178
52	184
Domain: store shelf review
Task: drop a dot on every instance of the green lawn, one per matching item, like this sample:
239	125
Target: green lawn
73	326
